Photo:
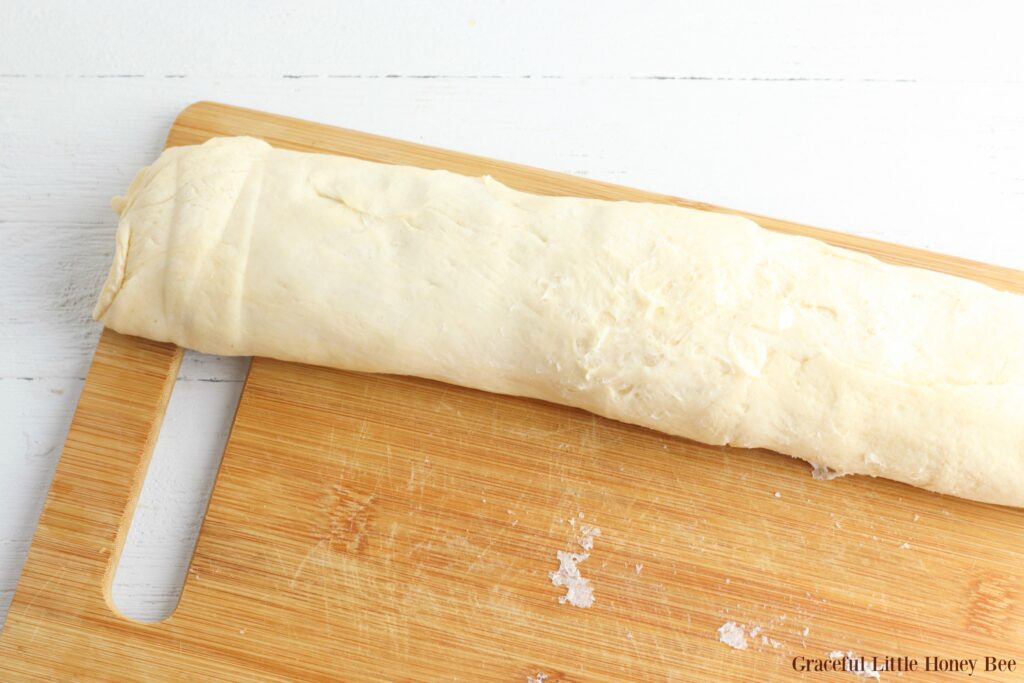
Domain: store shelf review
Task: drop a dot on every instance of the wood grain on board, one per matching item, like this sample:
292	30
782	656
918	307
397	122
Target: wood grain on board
380	528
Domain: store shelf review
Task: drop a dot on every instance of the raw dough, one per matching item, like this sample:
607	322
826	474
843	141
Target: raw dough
692	323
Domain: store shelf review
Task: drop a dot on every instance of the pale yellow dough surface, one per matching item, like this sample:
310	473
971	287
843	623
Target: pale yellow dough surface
692	323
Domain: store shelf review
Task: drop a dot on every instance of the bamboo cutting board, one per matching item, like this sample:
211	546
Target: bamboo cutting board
379	528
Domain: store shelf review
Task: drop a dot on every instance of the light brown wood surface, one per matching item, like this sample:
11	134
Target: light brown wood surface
378	528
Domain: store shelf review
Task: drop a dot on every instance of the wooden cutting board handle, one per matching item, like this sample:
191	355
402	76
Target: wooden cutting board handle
98	480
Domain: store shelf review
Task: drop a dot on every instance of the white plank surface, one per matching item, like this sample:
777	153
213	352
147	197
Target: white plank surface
901	121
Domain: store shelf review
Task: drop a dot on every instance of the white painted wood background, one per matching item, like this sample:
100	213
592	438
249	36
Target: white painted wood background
902	121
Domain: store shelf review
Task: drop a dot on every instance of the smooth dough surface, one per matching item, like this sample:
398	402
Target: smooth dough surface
693	323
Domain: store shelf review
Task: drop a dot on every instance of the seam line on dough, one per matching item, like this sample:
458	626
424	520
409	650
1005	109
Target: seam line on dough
115	278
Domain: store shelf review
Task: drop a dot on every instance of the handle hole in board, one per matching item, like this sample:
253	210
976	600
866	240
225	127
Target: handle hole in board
169	513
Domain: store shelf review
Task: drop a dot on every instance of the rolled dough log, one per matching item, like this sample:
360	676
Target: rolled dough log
693	323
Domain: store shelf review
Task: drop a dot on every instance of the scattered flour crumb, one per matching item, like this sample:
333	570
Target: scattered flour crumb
754	632
870	672
728	580
733	635
823	473
904	545
587	535
806	632
539	678
581	515
639	567
774	643
854	665
917	517
778	495
578	591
